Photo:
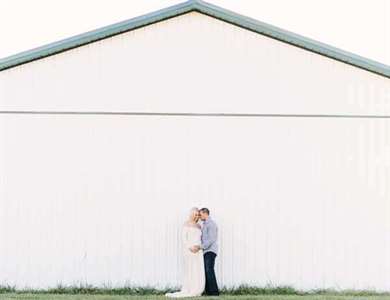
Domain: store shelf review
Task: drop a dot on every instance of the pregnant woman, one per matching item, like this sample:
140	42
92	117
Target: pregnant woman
193	281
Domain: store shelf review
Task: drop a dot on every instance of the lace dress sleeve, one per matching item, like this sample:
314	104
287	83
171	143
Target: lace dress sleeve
185	237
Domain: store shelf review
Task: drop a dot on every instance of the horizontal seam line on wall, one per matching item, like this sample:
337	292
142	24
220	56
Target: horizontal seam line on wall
192	114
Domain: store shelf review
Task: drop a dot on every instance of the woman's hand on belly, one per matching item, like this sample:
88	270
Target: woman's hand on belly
195	249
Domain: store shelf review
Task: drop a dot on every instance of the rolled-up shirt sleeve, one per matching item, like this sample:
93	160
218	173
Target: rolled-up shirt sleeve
210	236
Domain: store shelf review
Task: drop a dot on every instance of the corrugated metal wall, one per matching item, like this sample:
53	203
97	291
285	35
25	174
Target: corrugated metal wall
194	63
97	198
100	199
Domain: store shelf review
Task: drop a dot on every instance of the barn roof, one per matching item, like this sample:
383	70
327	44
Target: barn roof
207	9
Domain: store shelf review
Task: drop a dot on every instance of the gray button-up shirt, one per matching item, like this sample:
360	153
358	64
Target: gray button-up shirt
209	236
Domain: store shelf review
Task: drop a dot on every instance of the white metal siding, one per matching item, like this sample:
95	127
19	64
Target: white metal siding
193	63
97	199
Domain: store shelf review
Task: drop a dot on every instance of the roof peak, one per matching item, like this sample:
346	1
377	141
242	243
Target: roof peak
195	1
207	9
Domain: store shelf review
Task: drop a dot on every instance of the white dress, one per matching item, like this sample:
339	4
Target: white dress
193	281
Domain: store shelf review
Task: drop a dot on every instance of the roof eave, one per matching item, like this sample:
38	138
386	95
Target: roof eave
95	35
292	38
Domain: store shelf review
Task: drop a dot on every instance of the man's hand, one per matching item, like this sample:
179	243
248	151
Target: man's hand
195	249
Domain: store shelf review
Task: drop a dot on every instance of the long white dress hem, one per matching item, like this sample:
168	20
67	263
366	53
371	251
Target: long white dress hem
193	281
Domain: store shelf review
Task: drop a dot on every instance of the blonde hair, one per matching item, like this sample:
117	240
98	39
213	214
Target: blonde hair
192	212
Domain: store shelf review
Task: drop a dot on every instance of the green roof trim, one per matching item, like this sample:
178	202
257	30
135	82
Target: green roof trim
207	9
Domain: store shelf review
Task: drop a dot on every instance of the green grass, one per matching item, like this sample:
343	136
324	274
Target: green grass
36	296
242	290
88	292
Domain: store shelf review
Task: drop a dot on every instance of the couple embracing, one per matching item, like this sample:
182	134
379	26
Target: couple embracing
200	249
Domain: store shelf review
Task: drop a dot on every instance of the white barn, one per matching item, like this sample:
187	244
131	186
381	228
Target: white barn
109	137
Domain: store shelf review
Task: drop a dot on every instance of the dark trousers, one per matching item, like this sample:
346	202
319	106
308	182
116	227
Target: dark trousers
211	281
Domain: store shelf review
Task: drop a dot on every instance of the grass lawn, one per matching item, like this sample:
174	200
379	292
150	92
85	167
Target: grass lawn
34	296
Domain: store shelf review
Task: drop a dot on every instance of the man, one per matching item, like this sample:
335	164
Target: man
210	248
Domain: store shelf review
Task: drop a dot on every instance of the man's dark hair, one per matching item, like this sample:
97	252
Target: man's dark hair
205	210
